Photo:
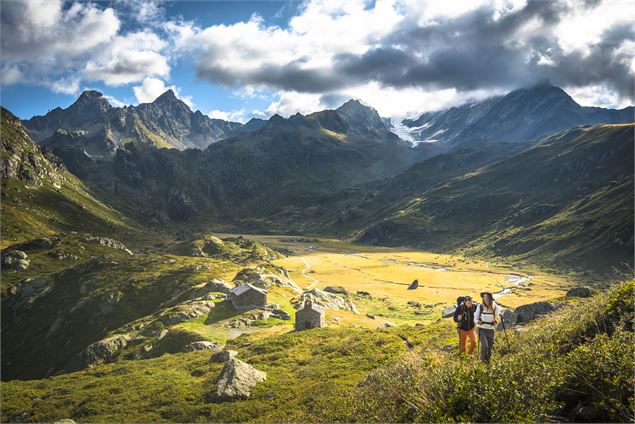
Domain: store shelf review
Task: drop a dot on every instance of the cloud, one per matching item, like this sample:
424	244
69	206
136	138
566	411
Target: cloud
404	47
57	45
233	115
151	88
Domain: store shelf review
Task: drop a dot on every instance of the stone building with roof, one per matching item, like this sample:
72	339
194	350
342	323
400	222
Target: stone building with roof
310	316
245	296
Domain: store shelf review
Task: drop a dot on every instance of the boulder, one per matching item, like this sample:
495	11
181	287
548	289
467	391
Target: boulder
532	311
223	356
108	242
370	316
386	325
448	312
38	243
202	345
103	351
236	380
582	291
413	285
336	290
509	317
218	285
326	300
280	314
414	304
362	293
264	279
186	312
15	259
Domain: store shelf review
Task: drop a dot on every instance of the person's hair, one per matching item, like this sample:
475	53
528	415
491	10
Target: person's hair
488	300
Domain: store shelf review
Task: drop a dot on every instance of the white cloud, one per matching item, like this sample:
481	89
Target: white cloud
232	115
65	86
10	75
597	95
151	88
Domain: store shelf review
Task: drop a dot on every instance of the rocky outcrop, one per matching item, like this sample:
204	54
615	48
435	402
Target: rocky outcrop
336	290
264	279
448	312
236	380
186	312
218	285
15	259
108	242
535	310
223	356
102	351
28	292
582	291
202	345
37	244
326	300
510	318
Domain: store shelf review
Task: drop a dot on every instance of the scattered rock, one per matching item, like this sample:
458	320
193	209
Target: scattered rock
186	312
370	316
414	304
413	285
386	325
363	293
280	314
202	345
15	259
108	242
532	311
218	285
223	356
509	317
109	301
326	300
583	291
448	312
336	290
103	351
236	380
261	278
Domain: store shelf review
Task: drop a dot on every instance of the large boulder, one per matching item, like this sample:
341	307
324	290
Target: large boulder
236	380
186	312
38	243
509	317
413	285
202	345
218	285
582	291
108	242
103	351
534	310
264	279
326	300
15	259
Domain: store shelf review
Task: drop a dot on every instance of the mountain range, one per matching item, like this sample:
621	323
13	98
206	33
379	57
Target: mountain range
344	171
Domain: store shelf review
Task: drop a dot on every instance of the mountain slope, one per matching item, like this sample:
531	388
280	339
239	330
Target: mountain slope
566	199
520	116
40	197
100	128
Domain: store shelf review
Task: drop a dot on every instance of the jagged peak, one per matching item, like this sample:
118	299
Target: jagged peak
90	94
168	94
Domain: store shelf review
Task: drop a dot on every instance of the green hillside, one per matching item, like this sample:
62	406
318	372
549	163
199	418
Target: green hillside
581	355
566	201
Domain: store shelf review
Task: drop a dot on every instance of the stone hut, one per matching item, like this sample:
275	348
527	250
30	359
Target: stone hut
310	316
245	296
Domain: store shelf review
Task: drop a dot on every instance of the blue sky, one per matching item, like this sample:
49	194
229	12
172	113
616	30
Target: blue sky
234	60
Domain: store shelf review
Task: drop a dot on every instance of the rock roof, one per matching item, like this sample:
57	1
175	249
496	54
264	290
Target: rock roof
245	287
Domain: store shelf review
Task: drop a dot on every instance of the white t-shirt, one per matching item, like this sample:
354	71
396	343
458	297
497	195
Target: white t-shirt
487	316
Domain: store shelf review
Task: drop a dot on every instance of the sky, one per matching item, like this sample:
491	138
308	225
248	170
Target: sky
236	60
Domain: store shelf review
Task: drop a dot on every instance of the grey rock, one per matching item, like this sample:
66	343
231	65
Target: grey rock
532	311
448	312
236	380
413	285
326	300
414	304
38	243
108	242
223	356
370	316
15	259
280	314
263	279
103	351
336	290
510	318
583	291
185	312
202	345
218	285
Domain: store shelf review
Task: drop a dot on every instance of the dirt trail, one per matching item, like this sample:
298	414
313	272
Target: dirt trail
304	272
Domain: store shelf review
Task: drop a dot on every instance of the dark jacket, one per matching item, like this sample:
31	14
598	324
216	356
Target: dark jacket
467	316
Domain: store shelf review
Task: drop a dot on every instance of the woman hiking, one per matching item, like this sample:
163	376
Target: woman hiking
464	317
487	316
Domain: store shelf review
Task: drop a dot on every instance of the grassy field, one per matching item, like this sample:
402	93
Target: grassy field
386	273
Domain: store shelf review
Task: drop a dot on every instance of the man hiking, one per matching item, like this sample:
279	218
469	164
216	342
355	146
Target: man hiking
464	317
487	316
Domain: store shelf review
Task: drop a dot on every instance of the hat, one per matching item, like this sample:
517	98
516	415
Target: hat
484	293
466	298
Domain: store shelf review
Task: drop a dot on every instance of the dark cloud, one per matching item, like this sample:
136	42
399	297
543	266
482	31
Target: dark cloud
471	51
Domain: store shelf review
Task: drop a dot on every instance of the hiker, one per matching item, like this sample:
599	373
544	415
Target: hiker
464	317
487	316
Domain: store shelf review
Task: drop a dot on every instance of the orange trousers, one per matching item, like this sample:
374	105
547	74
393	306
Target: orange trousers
463	335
